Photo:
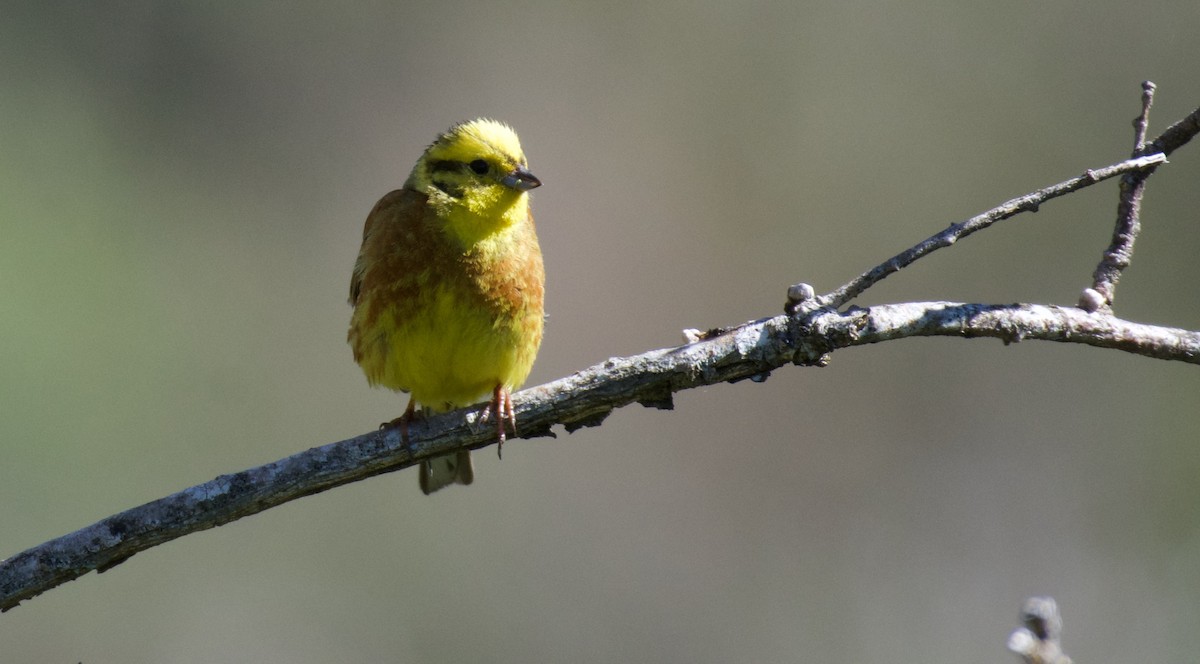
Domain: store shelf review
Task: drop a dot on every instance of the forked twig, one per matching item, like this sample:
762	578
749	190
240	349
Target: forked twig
1028	203
1129	208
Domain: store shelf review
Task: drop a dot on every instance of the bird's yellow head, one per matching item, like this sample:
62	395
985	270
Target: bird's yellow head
476	178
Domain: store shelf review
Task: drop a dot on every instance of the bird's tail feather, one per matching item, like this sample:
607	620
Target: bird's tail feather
445	470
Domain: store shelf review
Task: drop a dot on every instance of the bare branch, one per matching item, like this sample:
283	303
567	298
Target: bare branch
1027	203
751	350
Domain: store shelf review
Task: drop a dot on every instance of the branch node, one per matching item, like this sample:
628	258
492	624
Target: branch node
798	294
1091	301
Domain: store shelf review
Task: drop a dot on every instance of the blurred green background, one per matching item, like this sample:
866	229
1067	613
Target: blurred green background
182	190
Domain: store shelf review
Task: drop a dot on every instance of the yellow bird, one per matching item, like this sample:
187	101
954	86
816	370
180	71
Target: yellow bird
448	286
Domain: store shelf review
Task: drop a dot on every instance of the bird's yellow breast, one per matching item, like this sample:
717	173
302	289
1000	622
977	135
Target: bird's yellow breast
445	320
447	351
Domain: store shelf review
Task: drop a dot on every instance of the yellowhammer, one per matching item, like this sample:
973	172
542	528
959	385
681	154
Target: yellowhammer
448	286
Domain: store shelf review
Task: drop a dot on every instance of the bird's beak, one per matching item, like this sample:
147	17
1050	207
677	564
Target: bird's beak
521	180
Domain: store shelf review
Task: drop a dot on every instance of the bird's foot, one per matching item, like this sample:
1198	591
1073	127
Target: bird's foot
502	406
402	421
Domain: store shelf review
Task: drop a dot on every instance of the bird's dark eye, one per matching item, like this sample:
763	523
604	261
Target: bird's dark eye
479	167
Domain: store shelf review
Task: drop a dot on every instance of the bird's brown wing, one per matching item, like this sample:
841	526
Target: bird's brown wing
389	208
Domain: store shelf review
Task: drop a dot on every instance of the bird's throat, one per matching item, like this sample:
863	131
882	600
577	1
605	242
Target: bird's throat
475	224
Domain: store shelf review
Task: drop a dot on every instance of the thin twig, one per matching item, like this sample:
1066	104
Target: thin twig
1120	250
1176	136
1142	122
1027	203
